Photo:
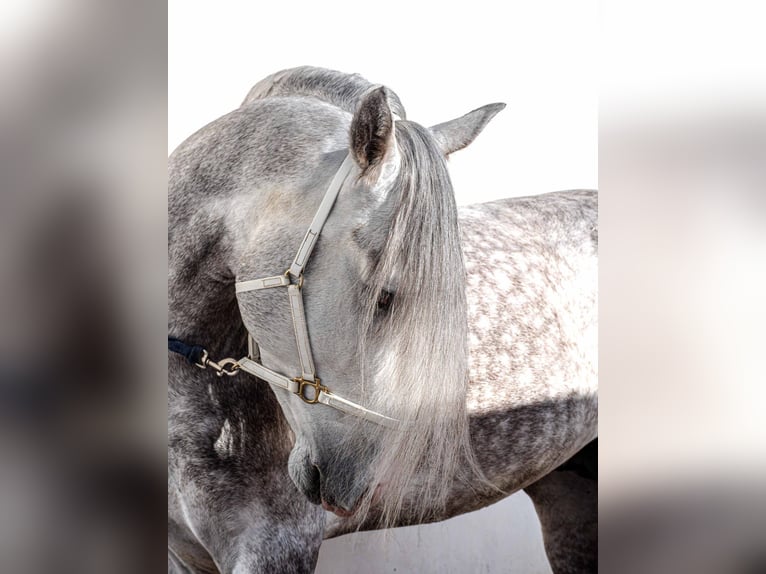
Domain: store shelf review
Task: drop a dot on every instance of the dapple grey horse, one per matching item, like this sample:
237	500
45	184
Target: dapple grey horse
476	328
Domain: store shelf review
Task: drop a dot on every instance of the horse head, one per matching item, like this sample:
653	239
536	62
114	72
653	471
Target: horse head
382	294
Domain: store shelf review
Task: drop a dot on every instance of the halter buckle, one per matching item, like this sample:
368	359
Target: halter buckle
316	384
290	278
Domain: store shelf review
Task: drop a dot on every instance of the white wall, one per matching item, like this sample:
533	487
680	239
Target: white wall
443	61
504	537
537	57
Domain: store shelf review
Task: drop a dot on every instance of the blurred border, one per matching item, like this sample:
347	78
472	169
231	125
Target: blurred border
83	273
682	176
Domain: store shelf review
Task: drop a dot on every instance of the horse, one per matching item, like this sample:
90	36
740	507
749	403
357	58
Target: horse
464	339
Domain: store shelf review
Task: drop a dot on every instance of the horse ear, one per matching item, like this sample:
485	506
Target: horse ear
457	134
372	130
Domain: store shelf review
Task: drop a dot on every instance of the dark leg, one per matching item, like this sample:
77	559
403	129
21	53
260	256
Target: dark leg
566	501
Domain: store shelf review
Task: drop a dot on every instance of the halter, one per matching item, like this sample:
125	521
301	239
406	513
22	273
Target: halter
308	386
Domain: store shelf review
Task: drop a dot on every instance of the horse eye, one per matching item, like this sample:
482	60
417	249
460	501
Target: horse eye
384	300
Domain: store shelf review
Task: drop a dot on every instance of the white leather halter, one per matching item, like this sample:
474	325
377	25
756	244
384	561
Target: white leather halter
308	386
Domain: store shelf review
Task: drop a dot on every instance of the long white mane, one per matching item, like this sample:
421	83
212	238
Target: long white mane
419	345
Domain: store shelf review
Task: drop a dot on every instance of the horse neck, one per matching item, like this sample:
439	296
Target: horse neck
338	88
202	306
203	310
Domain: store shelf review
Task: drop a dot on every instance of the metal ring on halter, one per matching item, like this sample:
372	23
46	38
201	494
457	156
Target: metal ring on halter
300	279
316	384
228	367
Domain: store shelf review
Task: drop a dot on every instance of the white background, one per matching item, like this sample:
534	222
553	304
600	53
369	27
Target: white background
540	58
443	60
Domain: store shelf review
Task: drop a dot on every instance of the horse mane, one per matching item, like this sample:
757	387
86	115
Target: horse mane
338	88
425	337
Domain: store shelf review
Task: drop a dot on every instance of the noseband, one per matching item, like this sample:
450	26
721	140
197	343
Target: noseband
308	386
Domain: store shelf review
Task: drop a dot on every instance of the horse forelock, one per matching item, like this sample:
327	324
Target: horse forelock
418	346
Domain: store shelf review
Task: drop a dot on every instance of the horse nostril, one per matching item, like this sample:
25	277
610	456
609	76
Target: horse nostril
313	491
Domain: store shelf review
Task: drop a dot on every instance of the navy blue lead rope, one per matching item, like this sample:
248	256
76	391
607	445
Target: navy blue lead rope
193	353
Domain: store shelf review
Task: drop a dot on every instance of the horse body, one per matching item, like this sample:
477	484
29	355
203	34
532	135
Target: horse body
532	299
532	288
530	263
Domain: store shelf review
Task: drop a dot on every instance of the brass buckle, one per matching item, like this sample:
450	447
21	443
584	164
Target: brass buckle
316	384
300	279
